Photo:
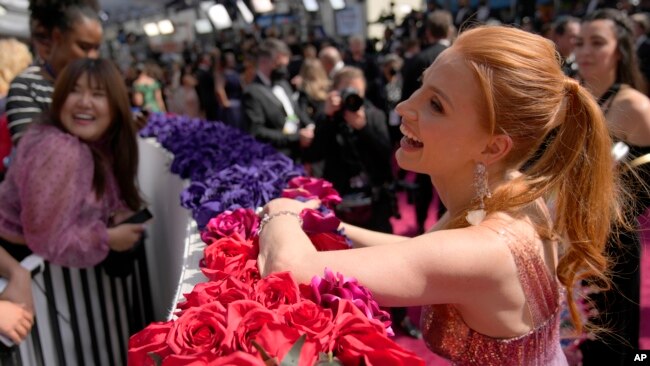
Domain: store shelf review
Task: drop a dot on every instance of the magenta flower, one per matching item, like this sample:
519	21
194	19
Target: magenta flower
241	221
329	290
306	188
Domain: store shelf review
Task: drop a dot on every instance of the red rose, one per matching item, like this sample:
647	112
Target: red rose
238	359
245	319
249	274
225	291
314	221
200	329
277	340
328	241
150	339
242	221
311	319
233	246
311	188
227	256
357	340
202	359
277	289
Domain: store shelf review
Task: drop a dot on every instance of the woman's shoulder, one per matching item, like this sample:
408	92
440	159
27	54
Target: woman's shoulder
48	139
630	99
629	116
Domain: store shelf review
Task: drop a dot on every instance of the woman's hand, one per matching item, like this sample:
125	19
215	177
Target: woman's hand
124	236
19	289
16	321
120	216
289	204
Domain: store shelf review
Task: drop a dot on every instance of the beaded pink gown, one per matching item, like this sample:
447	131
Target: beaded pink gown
447	335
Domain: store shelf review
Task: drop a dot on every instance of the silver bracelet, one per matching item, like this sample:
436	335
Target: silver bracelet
267	218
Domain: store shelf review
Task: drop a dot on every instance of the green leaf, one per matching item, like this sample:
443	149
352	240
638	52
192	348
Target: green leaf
157	360
328	359
263	353
293	356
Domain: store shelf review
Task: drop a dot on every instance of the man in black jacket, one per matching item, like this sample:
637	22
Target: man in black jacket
353	140
269	112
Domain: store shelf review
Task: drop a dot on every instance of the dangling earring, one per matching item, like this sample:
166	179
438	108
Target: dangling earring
475	217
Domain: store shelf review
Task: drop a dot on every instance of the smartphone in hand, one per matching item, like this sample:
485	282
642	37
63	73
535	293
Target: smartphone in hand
139	217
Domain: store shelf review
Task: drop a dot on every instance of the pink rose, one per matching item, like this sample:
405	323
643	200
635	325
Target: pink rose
312	188
151	339
200	329
314	221
277	289
328	291
241	221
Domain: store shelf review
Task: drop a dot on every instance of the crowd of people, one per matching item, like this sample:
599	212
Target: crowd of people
517	133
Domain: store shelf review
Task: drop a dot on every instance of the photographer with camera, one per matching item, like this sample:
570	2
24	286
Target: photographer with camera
353	140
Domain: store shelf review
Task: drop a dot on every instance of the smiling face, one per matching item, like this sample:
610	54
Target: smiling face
596	49
86	112
441	122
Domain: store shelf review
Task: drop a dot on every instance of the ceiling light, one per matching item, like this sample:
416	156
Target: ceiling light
165	26
203	26
3	11
337	4
310	5
16	4
263	6
151	29
219	17
245	12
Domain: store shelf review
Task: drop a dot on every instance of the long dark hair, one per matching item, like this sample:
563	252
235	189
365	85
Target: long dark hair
627	67
119	141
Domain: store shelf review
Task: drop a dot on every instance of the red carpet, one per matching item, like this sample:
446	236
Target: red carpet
406	226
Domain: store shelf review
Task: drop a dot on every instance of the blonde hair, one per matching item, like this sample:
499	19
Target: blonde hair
315	82
527	97
14	58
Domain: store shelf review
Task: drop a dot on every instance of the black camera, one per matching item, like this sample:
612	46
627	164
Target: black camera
352	101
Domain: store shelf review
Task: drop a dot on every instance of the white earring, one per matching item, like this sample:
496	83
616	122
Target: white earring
475	217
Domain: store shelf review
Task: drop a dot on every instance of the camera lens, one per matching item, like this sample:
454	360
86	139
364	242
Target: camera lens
352	101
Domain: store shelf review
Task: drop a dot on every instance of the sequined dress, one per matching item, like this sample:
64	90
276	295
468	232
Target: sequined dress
447	335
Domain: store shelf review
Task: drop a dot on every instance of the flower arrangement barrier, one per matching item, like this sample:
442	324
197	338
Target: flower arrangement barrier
236	317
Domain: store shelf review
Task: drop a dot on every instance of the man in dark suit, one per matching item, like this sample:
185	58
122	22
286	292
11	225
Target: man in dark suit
205	88
270	114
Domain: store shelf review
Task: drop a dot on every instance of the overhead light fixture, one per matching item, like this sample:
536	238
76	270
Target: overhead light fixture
337	4
165	26
219	17
151	29
245	12
3	11
310	5
16	4
263	6
206	5
203	26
